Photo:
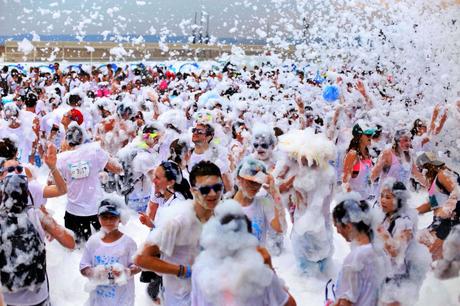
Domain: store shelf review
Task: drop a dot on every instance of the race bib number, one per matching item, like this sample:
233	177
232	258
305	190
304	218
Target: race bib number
79	170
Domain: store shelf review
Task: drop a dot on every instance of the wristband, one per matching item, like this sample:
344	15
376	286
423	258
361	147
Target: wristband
188	271
181	271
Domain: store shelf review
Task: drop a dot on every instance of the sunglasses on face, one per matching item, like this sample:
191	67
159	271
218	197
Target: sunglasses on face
262	145
204	190
11	169
150	135
198	131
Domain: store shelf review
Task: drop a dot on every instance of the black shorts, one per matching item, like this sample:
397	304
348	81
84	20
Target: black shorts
81	225
442	227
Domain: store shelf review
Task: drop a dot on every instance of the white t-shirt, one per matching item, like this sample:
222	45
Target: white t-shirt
80	168
360	277
261	213
24	135
177	237
213	154
273	295
100	253
36	191
162	204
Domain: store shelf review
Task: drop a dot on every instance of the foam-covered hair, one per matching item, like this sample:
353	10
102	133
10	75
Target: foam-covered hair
315	148
354	209
263	133
398	189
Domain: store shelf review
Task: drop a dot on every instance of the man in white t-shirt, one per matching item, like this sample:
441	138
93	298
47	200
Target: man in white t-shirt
80	167
176	238
202	135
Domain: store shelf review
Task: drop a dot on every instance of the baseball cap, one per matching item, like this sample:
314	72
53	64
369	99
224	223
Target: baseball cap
428	158
253	170
357	130
76	115
108	207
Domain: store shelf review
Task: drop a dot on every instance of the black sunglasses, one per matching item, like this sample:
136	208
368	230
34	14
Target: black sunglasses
198	131
10	169
262	145
204	190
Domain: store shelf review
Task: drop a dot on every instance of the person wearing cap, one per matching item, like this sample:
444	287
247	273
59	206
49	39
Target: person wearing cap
358	163
108	260
176	237
397	161
261	210
443	200
80	167
409	260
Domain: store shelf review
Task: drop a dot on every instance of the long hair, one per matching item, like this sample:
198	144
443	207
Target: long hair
173	172
354	145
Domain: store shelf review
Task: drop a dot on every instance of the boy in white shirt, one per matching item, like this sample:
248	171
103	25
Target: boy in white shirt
108	260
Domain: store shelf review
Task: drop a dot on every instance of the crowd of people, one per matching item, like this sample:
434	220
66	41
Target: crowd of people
226	166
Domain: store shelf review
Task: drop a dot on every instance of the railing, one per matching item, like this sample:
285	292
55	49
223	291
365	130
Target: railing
100	51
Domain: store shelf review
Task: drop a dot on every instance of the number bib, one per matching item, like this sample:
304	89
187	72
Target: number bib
79	170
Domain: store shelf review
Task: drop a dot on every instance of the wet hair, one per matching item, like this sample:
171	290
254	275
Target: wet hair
31	100
396	139
417	124
74	135
343	214
398	189
432	171
74	100
177	150
8	148
236	125
354	145
204	168
173	172
278	131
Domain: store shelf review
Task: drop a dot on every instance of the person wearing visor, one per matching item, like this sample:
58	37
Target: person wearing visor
261	210
176	239
80	167
397	162
358	163
108	260
443	194
137	159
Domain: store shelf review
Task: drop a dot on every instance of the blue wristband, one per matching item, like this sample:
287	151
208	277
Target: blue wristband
188	272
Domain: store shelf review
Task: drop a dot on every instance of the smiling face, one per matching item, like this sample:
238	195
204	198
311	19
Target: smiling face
405	143
207	200
365	140
200	134
160	181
